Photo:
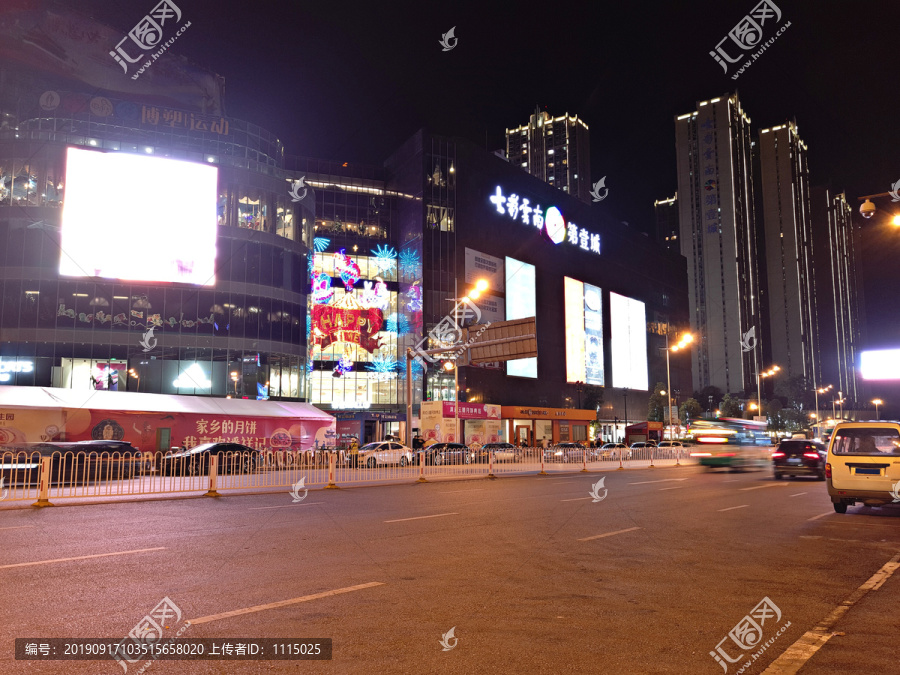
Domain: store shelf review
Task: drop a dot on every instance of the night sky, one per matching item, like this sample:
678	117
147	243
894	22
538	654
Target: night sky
351	81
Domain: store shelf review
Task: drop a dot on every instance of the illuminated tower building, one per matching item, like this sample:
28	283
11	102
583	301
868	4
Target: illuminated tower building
718	237
555	149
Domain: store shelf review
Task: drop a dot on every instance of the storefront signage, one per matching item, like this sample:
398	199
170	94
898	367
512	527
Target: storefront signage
472	411
519	208
350	405
8	367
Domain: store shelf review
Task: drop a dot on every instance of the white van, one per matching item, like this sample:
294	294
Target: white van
863	464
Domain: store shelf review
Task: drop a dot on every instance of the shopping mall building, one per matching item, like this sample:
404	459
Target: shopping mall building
149	242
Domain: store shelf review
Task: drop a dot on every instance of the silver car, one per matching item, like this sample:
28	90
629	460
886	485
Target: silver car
384	453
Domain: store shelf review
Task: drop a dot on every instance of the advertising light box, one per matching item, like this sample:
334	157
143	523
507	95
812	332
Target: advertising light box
584	332
138	218
880	364
628	326
521	303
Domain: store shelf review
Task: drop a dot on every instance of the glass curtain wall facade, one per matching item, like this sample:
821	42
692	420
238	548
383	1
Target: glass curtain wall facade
242	336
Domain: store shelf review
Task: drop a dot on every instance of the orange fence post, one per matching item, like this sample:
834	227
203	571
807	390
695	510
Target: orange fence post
332	460
44	490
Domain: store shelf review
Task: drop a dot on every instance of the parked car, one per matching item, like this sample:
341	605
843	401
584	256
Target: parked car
383	453
643	448
670	449
71	462
233	458
615	451
479	455
863	464
566	452
438	454
504	452
799	457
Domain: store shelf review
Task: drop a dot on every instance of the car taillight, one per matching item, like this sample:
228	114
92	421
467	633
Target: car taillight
777	454
701	454
812	455
828	471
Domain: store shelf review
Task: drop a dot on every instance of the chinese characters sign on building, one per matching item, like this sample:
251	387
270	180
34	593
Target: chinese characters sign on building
520	208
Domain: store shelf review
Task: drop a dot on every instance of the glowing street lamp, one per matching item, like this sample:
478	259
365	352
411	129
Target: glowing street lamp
877	402
769	373
134	374
685	340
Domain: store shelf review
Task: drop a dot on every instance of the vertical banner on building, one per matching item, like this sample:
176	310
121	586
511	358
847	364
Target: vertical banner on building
629	342
521	303
593	335
574	318
483	266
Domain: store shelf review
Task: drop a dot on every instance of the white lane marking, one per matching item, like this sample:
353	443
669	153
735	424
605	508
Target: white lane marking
559	478
436	515
609	534
283	603
450	492
562	481
760	487
577	499
821	515
286	506
732	508
799	493
16	527
82	557
677	487
662	480
796	656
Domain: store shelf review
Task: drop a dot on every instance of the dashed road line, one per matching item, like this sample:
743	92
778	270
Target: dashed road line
577	499
282	603
821	515
662	480
732	508
799	653
450	492
760	487
677	487
83	557
436	515
799	493
609	534
16	527
285	506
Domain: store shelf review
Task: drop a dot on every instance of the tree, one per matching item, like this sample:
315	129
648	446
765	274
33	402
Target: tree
730	407
704	395
795	393
656	411
690	409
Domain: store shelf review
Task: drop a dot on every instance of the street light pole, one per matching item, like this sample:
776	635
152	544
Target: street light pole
669	386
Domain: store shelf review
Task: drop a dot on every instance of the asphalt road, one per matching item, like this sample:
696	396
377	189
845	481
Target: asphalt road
531	572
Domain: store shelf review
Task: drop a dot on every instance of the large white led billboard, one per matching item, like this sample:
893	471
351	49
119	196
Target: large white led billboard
138	218
521	303
628	327
584	332
880	364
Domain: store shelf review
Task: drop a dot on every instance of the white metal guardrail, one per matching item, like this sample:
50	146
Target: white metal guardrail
42	478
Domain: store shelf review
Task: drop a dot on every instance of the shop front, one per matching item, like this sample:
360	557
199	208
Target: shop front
557	425
479	423
643	431
367	427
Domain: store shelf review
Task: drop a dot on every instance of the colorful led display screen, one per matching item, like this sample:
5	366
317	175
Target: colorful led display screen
521	303
628	326
138	218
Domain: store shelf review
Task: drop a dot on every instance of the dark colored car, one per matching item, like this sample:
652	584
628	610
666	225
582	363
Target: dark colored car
799	457
71	462
447	453
569	452
233	458
480	455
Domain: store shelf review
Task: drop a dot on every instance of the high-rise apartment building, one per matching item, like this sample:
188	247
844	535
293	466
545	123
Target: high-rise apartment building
555	149
665	213
790	300
838	291
718	237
